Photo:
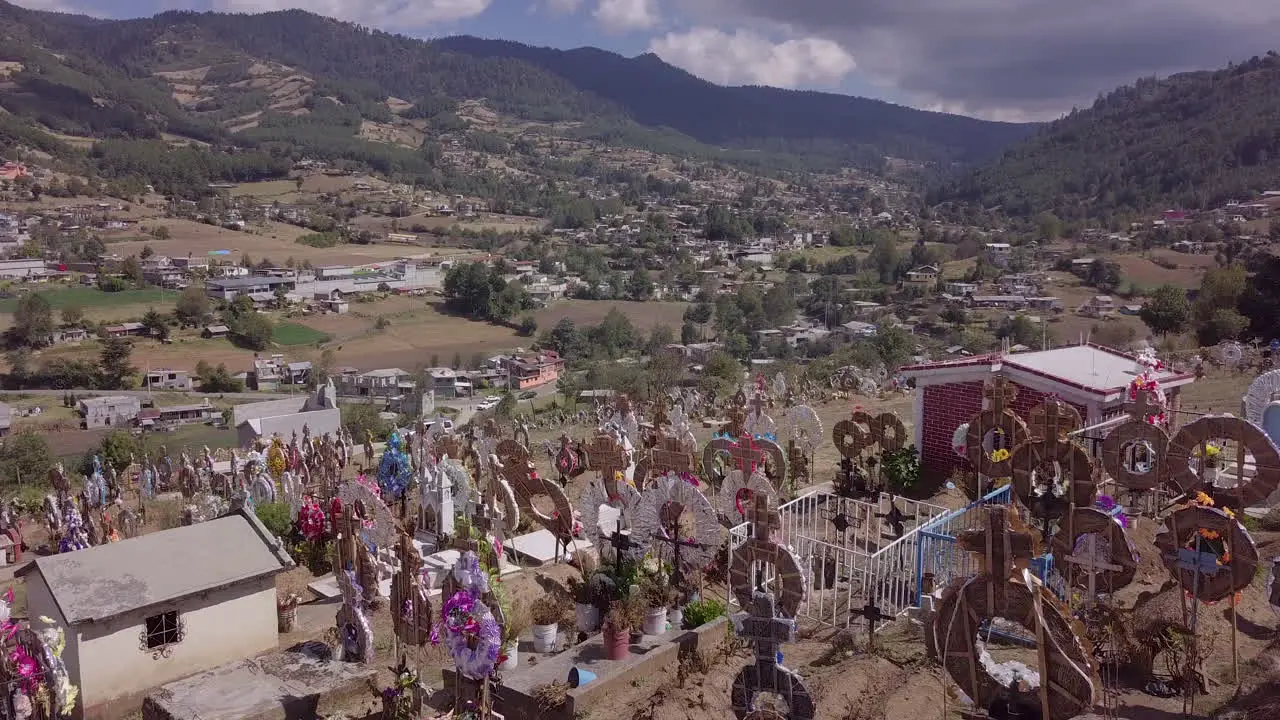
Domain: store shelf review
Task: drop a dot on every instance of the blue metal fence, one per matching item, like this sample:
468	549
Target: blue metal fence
936	550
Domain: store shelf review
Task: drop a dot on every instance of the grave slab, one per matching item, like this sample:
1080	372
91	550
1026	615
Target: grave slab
652	654
538	548
282	686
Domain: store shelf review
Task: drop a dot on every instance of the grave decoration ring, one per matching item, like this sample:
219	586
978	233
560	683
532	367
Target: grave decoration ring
527	485
1178	472
380	524
660	509
1028	458
263	490
499	491
1117	445
459	479
806	426
1053	419
626	499
715	447
1260	394
1206	530
1069	673
1120	562
471	634
1015	432
888	430
772	678
792	586
854	434
734	497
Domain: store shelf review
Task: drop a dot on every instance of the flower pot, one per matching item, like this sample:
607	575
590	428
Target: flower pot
617	643
676	618
512	651
544	637
588	616
286	618
655	621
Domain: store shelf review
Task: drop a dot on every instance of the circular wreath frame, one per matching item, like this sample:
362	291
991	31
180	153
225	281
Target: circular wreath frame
1176	470
771	677
672	489
1233	577
1091	521
734	483
1071	676
792	589
1113	450
1027	457
984	422
1039	422
849	438
626	502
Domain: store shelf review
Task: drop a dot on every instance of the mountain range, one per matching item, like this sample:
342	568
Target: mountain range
221	79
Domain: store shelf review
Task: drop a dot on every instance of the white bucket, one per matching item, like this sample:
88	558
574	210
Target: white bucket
588	617
512	652
655	621
676	618
544	637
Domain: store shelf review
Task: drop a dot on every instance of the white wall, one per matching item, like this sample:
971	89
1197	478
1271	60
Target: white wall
40	603
222	627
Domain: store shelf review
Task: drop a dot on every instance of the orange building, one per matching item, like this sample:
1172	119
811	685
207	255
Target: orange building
534	370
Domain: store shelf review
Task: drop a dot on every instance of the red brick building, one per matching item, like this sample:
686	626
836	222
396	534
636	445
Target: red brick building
1091	378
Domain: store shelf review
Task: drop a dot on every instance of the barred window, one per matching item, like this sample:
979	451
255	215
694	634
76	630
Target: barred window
163	629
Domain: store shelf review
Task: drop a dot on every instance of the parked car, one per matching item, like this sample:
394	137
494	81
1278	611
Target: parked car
488	403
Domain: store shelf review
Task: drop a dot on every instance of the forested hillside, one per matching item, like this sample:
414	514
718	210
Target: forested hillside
103	78
1188	141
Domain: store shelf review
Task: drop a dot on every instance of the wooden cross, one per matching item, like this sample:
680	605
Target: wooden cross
746	455
607	457
764	519
1000	392
737	415
1092	563
765	629
999	544
466	543
1143	406
669	455
1053	420
660	417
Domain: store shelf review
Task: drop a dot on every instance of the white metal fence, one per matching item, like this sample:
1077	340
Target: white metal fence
853	553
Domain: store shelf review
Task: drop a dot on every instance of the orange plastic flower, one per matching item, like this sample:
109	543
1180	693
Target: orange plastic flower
1208	534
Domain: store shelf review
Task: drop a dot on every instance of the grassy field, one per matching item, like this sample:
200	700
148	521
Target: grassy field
87	297
292	333
1148	275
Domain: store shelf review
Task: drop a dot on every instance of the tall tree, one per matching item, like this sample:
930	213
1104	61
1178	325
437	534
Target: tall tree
1167	310
114	363
32	321
193	306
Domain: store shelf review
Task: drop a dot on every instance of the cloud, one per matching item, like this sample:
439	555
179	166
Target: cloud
388	15
747	58
564	7
1016	58
627	15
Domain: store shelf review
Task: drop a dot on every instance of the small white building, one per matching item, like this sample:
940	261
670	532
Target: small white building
143	612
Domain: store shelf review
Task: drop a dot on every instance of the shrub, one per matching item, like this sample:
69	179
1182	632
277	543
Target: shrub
275	516
901	468
701	612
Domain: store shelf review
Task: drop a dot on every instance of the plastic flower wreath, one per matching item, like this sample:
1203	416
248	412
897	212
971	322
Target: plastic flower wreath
1106	504
311	520
1000	455
395	472
467	626
690	478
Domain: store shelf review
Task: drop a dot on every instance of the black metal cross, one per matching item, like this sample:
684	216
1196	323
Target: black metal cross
896	519
872	615
677	575
621	542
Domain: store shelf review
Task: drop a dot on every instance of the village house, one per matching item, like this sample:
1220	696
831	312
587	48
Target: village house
23	268
6	419
925	275
260	421
960	289
448	383
855	329
11	171
1098	306
145	611
383	383
129	329
1008	302
174	415
69	336
215	331
164	379
1093	379
533	370
109	411
999	254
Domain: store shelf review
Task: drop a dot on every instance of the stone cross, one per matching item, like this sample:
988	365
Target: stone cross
1143	406
998	544
1000	392
765	629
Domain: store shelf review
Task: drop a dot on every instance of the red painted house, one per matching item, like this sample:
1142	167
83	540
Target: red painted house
1092	378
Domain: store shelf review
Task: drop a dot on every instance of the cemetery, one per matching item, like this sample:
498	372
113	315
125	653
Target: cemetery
1041	536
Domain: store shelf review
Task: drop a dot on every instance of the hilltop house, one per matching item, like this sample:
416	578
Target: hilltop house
999	254
109	411
383	383
259	421
925	275
529	371
148	610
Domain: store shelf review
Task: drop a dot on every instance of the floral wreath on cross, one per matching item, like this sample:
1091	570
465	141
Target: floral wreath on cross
1148	366
467	627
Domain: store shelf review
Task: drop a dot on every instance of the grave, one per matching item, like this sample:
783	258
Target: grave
270	687
539	548
651	655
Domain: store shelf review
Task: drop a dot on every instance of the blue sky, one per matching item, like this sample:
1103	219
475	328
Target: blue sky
1000	59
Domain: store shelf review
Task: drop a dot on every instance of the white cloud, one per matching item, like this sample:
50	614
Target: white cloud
388	15
746	58
625	15
564	7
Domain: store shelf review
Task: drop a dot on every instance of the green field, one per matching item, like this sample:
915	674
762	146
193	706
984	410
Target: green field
87	297
266	188
291	333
